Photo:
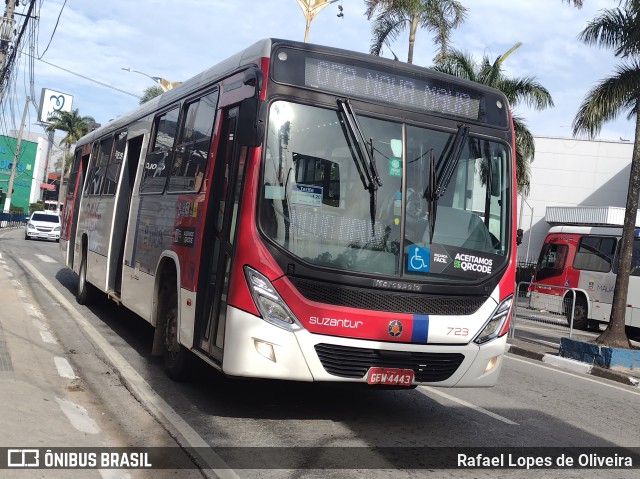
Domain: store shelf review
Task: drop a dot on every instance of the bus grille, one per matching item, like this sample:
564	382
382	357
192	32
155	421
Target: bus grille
348	362
395	302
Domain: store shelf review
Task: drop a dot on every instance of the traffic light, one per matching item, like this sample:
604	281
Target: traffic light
519	234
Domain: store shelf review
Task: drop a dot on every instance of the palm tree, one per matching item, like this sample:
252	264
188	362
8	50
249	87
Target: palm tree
518	90
151	92
72	123
394	16
618	29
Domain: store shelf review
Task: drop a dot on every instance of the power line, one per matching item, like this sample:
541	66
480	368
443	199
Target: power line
54	30
82	76
11	59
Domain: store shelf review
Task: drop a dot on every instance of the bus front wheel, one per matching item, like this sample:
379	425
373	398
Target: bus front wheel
580	320
174	354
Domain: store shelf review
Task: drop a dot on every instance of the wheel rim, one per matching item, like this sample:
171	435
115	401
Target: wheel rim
171	345
82	279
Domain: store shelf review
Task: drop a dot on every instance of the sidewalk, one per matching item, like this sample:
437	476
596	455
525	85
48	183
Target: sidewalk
549	355
43	403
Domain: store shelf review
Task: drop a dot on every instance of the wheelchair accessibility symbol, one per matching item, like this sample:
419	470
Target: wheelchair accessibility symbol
418	259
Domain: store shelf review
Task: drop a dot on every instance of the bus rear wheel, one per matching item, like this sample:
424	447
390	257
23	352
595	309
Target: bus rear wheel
85	293
580	320
174	354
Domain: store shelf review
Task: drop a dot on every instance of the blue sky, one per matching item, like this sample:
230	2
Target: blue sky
177	40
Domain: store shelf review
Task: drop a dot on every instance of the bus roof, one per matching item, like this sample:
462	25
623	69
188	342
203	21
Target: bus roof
251	56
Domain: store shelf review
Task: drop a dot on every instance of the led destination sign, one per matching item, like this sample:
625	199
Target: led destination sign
422	91
405	91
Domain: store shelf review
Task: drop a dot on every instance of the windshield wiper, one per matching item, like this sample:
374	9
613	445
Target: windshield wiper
439	181
364	159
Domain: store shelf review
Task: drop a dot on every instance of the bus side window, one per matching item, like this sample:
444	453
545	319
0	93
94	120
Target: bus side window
635	258
192	149
106	146
595	253
93	168
112	172
158	160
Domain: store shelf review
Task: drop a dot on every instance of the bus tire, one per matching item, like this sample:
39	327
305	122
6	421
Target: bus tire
86	292
174	354
580	320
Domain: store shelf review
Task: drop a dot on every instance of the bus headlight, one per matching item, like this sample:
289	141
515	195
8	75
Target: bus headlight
498	324
271	306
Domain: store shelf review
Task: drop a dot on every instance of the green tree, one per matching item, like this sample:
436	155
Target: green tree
517	90
65	161
393	17
151	92
617	29
72	123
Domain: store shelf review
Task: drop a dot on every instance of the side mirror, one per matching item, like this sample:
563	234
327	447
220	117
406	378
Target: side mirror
251	123
251	116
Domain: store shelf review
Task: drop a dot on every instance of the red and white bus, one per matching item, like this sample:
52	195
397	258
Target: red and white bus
584	259
307	213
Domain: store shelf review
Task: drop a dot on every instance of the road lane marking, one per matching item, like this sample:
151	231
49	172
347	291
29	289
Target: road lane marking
64	368
47	337
78	416
114	474
424	389
39	324
153	402
535	363
45	259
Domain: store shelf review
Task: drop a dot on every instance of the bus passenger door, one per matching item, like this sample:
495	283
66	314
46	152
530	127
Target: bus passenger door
72	207
218	239
130	166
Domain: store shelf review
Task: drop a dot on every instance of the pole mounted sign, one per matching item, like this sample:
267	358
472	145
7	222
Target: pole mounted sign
52	101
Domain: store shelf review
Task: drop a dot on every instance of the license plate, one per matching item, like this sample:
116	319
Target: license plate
390	376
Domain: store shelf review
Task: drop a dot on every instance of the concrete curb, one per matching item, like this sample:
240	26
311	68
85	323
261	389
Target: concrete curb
575	366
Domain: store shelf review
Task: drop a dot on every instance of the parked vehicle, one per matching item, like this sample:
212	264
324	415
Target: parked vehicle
585	259
43	225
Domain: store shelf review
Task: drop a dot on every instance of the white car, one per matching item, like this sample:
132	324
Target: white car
43	225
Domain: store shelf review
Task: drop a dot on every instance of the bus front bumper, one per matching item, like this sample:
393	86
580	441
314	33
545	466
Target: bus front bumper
255	348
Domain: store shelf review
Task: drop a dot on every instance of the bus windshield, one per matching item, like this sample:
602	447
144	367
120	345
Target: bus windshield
316	203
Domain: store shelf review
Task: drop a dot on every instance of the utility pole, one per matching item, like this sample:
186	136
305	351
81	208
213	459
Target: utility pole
7	25
14	165
50	136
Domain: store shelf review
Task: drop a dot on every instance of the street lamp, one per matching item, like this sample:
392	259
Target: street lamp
310	9
164	84
525	202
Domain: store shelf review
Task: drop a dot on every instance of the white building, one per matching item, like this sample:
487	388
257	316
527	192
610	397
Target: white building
571	172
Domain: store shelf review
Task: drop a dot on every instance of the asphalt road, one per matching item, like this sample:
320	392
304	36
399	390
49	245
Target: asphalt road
533	405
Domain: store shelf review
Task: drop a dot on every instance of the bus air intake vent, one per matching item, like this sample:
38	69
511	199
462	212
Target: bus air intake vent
391	301
348	362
